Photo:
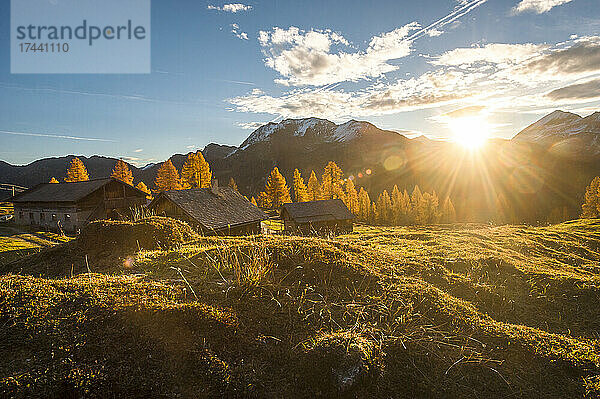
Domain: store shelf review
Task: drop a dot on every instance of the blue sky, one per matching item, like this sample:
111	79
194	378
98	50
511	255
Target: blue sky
216	74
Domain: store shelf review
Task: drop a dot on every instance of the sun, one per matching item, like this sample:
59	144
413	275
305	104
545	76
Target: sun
470	132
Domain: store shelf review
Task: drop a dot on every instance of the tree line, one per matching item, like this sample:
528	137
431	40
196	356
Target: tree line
399	208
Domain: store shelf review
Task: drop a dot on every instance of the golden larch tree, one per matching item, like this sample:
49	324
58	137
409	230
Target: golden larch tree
384	208
253	200
591	203
364	205
331	181
167	178
448	211
77	171
196	172
276	190
142	187
314	188
352	197
300	190
122	172
53	180
233	184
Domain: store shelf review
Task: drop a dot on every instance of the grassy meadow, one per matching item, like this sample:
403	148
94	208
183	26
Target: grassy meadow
150	308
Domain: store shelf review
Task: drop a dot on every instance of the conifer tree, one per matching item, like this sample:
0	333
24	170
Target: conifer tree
314	189
190	172
352	197
122	172
418	206
53	180
431	208
196	172
276	190
205	172
373	214
364	205
384	207
396	199
405	209
233	184
331	179
300	190
591	204
142	187
262	200
448	211
167	178
77	171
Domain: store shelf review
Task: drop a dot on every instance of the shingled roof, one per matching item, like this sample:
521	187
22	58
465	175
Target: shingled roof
318	211
215	209
62	192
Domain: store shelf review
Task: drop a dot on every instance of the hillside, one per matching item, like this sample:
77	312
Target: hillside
445	311
565	133
539	176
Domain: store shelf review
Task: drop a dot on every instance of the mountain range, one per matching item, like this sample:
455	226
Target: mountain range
556	156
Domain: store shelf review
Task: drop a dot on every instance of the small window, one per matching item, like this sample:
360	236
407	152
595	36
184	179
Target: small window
30	215
42	216
67	217
21	215
54	217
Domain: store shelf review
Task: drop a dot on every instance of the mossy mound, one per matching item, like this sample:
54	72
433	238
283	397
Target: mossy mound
151	233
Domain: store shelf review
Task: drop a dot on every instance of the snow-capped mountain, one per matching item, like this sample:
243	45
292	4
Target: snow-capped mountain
566	133
313	130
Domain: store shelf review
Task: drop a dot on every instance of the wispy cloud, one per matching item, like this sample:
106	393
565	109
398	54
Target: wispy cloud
139	150
55	136
126	97
233	7
497	76
250	125
538	6
319	57
581	91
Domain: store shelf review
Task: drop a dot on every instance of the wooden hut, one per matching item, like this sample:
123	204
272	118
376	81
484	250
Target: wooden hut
217	210
70	206
317	217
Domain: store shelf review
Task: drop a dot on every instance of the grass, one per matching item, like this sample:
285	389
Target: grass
16	243
438	311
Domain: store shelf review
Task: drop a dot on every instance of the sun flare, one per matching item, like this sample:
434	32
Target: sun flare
470	132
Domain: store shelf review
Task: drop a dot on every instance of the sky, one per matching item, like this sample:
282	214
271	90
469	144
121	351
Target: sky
219	70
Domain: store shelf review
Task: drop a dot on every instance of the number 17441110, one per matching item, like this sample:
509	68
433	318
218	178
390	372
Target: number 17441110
44	47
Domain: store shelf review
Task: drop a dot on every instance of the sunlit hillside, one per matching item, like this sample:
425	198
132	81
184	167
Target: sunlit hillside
443	311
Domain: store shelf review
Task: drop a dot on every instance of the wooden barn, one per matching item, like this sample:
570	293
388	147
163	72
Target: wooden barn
217	210
317	217
70	206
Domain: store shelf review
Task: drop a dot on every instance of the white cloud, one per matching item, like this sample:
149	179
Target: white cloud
429	90
234	7
318	57
497	76
538	6
235	29
306	58
250	125
138	150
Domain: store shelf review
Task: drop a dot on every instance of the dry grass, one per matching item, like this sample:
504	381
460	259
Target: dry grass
443	311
